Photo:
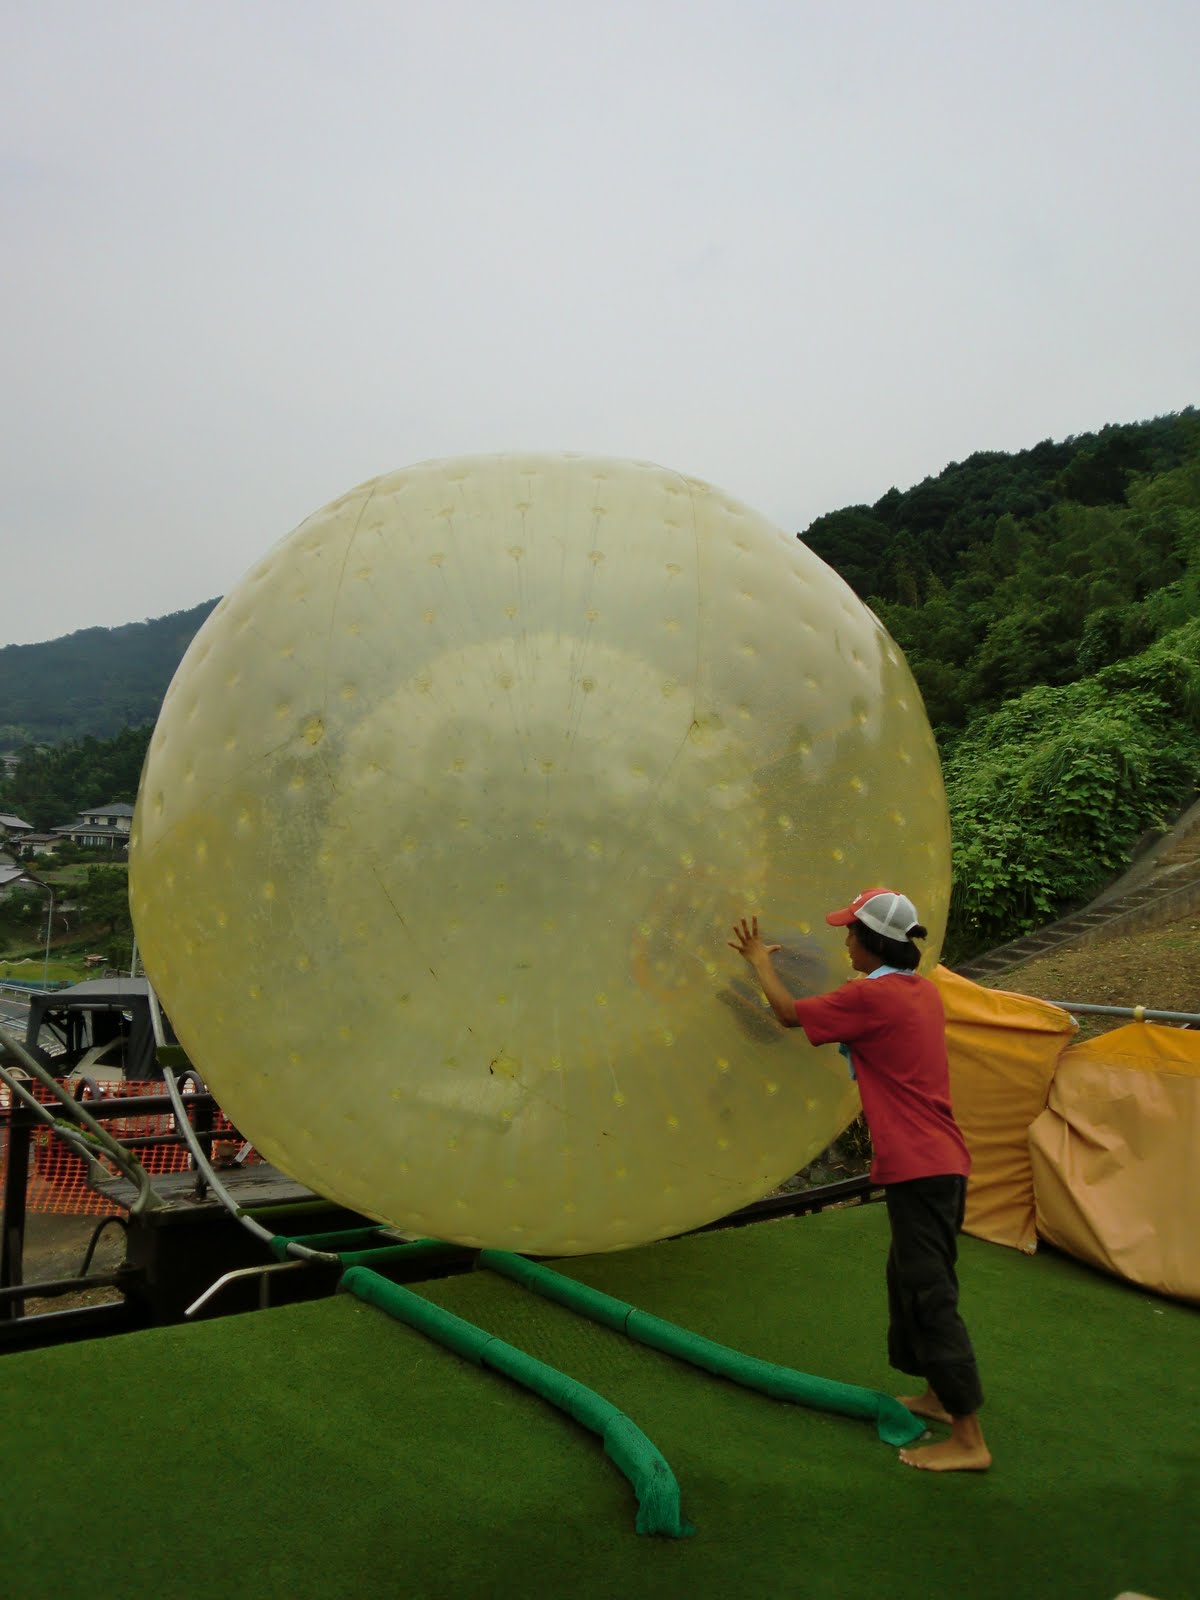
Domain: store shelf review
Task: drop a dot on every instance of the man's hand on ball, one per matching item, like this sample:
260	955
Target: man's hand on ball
747	943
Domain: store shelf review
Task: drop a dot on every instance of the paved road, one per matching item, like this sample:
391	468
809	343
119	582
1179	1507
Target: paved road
14	1017
13	1014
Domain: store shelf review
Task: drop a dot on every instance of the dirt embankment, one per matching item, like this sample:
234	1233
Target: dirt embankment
55	1247
1159	969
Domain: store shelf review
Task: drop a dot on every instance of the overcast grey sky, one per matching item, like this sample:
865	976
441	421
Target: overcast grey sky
254	253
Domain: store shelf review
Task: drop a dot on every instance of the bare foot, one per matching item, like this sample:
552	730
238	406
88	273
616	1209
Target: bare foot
949	1455
926	1405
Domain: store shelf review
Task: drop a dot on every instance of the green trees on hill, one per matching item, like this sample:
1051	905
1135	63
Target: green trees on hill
1052	603
1010	571
1046	602
1049	794
104	900
96	681
51	785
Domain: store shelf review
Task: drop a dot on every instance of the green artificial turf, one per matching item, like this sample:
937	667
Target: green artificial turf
323	1450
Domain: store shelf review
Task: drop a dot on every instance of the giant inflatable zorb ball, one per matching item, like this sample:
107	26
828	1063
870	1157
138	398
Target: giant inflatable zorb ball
448	815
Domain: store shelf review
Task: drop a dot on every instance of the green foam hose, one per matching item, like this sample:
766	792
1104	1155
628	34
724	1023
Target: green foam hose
895	1424
653	1482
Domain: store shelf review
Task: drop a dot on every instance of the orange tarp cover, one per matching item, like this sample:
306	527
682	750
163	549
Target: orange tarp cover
1115	1156
1003	1050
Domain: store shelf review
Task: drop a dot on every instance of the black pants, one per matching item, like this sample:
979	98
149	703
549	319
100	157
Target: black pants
926	1335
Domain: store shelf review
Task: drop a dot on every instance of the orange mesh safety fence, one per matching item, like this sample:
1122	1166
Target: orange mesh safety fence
58	1178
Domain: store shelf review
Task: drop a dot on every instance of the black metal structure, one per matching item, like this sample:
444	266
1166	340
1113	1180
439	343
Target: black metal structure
177	1249
178	1246
174	1250
112	1012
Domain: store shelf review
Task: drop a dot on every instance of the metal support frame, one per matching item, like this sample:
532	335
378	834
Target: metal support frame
12	1236
81	1131
299	1251
65	1327
263	1273
1187	1019
50	1288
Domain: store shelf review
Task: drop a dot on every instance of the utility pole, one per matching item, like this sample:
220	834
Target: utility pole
49	930
28	877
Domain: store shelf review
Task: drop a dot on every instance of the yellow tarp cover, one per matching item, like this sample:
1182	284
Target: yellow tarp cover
1115	1156
1003	1049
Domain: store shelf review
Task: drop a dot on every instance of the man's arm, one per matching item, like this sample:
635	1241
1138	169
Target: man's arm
748	944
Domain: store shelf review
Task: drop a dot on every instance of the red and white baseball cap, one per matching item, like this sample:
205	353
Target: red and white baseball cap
891	914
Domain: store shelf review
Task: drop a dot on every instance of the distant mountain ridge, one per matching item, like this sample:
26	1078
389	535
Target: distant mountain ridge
95	681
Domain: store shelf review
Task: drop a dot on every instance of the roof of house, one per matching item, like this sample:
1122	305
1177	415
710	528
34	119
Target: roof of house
82	826
13	822
116	808
93	991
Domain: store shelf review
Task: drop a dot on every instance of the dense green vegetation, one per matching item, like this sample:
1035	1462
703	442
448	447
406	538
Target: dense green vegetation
1046	604
52	785
1049	794
90	917
96	681
1009	571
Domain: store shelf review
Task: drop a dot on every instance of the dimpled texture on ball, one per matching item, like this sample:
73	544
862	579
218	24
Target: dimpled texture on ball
446	820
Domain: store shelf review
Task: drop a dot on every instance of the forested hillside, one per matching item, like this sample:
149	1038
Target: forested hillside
1048	604
1007	571
53	784
96	681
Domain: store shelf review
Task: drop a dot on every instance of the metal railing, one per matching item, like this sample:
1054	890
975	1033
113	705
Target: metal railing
1184	1019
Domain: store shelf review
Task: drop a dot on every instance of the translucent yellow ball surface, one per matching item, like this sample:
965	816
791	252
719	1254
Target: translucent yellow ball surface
447	817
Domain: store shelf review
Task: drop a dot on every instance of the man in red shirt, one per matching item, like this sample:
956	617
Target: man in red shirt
892	1028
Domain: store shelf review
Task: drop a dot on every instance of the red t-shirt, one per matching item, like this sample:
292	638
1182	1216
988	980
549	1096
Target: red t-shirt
895	1029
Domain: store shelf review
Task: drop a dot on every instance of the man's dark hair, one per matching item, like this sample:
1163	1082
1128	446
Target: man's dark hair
901	953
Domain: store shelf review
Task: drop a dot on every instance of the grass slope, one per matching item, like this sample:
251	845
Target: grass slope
324	1451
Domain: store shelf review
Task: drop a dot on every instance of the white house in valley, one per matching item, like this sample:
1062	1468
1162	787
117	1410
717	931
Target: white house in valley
101	826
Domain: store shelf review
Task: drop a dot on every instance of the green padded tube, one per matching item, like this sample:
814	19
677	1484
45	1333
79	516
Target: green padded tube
341	1239
418	1252
894	1423
348	1245
654	1483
